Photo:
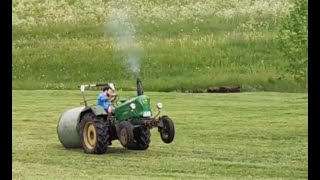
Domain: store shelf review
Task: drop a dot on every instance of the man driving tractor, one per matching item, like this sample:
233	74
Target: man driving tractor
103	99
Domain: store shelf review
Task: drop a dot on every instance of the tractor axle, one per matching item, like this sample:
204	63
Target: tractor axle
151	122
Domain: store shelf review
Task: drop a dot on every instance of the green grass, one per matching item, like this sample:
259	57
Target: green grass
218	136
181	51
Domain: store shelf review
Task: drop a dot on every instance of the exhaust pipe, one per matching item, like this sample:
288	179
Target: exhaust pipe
139	87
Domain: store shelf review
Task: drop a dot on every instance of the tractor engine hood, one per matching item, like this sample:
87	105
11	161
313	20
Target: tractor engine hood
135	107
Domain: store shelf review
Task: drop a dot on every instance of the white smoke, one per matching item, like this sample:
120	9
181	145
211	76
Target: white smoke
122	33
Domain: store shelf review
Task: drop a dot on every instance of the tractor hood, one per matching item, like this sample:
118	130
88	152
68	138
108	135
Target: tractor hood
141	108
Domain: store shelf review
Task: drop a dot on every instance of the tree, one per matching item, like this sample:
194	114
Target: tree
294	41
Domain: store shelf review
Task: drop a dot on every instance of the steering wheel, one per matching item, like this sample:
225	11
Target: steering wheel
114	99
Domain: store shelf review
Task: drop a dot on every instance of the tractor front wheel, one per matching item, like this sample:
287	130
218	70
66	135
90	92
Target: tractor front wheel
167	131
94	134
125	133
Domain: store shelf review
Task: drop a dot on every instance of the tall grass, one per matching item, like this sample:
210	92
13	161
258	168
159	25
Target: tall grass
187	44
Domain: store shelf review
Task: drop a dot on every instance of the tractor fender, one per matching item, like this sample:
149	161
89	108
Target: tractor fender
96	110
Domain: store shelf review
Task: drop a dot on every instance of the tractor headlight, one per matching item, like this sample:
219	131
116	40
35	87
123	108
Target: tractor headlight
159	105
132	106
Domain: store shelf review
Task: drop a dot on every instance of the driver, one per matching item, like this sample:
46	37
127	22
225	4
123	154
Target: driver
103	99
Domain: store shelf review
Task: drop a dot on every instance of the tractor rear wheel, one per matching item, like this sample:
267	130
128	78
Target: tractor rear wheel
125	133
94	134
167	132
141	139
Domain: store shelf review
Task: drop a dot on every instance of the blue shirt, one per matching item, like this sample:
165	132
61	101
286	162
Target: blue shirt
103	101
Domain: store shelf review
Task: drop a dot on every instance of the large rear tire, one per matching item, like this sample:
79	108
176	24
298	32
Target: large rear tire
167	132
141	139
94	134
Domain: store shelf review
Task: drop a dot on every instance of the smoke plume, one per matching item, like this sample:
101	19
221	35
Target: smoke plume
122	33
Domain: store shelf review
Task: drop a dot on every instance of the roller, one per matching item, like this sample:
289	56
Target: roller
67	128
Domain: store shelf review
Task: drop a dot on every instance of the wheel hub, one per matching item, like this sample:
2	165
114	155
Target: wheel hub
90	135
164	132
124	136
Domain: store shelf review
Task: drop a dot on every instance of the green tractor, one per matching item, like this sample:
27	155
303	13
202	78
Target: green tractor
93	129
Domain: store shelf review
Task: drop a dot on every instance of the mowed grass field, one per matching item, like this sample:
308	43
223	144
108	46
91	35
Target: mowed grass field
255	135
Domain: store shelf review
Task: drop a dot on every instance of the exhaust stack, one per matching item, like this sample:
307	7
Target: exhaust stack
139	87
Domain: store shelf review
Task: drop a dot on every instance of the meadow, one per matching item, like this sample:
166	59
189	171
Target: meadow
254	135
172	45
